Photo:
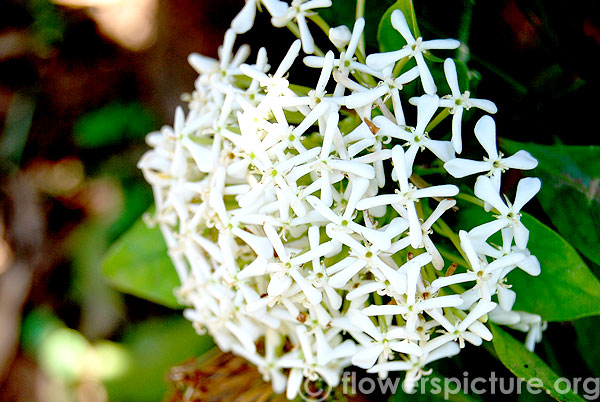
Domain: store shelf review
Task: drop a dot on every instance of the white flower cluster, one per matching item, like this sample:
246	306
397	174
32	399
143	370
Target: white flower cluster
303	240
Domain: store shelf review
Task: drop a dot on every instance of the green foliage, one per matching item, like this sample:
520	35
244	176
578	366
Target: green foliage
112	124
588	339
389	39
566	289
571	183
138	197
343	12
527	365
138	263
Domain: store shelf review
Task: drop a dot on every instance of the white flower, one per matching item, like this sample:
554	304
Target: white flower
379	345
298	11
245	18
269	198
268	365
522	321
346	63
510	215
340	36
396	85
316	358
417	138
443	206
494	164
404	200
457	102
481	272
468	329
414	367
413	48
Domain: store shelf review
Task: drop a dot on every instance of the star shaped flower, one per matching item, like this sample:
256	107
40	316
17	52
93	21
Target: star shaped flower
413	48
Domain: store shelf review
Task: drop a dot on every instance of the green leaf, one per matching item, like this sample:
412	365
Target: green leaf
343	12
138	196
389	39
587	340
112	124
137	263
430	56
566	289
571	182
528	366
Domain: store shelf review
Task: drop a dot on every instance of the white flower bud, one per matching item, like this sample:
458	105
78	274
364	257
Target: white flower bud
340	36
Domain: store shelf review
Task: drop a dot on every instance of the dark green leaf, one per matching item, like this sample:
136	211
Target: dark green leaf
389	39
588	339
138	196
566	289
138	264
430	56
571	182
343	12
527	365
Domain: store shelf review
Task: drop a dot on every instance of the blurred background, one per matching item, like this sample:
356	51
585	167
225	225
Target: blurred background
83	81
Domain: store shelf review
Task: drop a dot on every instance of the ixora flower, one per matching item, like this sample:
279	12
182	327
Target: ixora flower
303	239
413	48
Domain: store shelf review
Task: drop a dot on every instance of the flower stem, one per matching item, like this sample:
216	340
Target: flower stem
470	198
360	13
442	228
381	319
321	23
296	31
437	120
399	66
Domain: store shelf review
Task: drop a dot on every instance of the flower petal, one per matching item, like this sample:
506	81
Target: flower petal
451	77
459	167
486	191
245	18
401	25
367	357
526	190
485	131
521	160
